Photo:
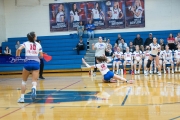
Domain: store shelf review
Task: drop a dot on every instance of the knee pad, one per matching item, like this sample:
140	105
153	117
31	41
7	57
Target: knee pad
23	82
148	63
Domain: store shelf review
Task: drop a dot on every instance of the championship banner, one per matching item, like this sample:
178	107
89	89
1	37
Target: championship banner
96	13
135	13
77	13
115	14
58	13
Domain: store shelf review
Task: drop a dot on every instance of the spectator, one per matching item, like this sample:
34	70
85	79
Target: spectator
176	44
41	64
162	44
178	37
7	51
108	51
131	47
123	46
115	47
17	45
149	40
80	30
90	29
118	41
139	41
170	41
80	46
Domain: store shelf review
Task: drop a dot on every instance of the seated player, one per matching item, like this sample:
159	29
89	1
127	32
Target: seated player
117	60
146	55
177	57
108	75
137	59
168	59
128	59
161	57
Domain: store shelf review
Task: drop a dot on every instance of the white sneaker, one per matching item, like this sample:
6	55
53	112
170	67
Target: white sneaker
146	73
117	72
135	72
21	100
155	71
179	69
94	74
175	69
164	71
159	73
150	72
138	72
172	71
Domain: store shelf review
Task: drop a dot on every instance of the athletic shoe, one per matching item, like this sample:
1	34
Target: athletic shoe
146	73
155	71
172	71
159	73
130	81
164	71
135	72
94	74
117	73
138	72
33	93
150	72
179	69
175	69
41	77
21	100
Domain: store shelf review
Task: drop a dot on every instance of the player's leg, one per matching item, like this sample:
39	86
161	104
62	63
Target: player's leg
135	63
117	66
95	69
140	64
148	65
172	65
155	66
164	66
114	64
131	66
92	34
124	64
145	63
34	83
117	77
25	75
158	65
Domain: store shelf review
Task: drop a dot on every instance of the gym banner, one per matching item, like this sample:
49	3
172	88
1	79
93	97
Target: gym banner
77	13
135	13
105	14
115	14
59	15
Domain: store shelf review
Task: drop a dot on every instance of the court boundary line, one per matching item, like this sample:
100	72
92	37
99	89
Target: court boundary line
127	94
174	118
36	101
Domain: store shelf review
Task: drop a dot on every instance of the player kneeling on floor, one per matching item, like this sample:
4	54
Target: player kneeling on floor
109	76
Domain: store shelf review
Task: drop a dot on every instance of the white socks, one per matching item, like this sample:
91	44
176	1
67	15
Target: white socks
22	95
34	84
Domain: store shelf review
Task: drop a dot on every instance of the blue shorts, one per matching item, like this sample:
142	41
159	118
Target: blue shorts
117	60
31	65
108	76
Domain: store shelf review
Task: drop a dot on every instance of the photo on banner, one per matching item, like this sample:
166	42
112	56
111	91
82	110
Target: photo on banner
59	15
77	13
115	14
135	13
96	13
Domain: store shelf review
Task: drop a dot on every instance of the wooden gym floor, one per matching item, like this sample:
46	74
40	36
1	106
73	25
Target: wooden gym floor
77	96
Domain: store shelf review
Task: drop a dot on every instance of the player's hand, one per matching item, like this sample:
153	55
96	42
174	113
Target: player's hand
83	61
93	44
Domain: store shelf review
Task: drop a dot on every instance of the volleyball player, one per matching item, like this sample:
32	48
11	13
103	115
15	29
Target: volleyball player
161	57
177	57
146	55
60	14
168	58
117	60
32	50
155	47
109	76
137	9
115	11
128	59
137	59
100	48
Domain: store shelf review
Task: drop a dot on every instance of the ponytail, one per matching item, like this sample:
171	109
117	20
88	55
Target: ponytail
31	37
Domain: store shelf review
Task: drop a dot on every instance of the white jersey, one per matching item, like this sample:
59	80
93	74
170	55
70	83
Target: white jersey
177	54
75	15
161	55
59	16
102	68
128	56
137	55
168	55
146	55
154	48
137	10
96	14
118	55
115	12
32	50
100	49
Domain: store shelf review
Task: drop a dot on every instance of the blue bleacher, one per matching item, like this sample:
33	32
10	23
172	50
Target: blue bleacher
61	48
